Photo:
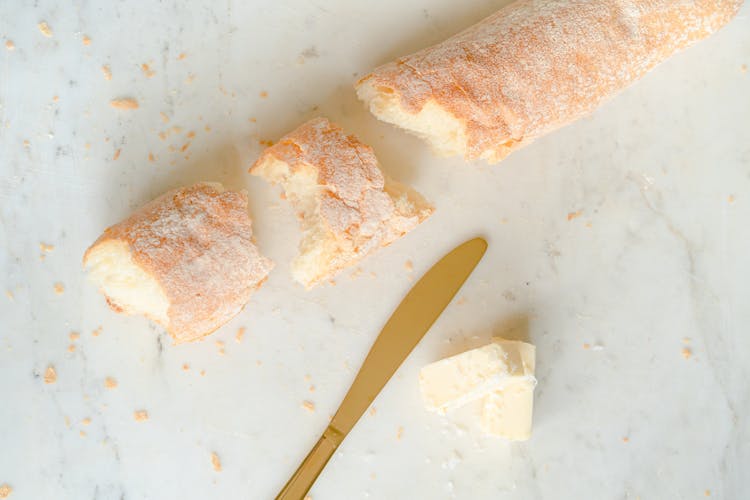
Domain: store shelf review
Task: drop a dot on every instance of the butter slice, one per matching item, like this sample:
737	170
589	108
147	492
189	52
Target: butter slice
507	411
501	372
460	379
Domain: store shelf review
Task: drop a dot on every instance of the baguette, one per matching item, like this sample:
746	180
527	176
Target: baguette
186	260
531	68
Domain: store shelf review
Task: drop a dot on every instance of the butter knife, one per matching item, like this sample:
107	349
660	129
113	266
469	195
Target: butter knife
407	325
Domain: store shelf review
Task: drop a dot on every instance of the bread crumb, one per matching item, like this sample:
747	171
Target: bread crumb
123	103
311	388
82	434
151	157
86	421
163	136
86	40
265	142
5	490
147	71
252	120
59	288
55	98
586	345
26	143
373	411
743	68
181	56
50	375
97	331
215	462
116	155
460	301
399	433
140	415
240	333
731	198
573	215
110	383
207	128
258	362
190	134
46	248
309	406
71	348
185	146
686	353
10	45
409	266
707	493
185	367
263	94
45	29
626	439
107	72
203	373
9	294
73	336
190	78
308	377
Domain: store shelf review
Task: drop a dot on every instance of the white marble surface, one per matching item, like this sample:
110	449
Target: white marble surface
656	262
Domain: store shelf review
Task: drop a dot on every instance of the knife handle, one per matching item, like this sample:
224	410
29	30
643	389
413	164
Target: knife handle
302	480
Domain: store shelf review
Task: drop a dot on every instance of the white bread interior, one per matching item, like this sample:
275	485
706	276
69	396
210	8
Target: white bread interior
445	133
127	286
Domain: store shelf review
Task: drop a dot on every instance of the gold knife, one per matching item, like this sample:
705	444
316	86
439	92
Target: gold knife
405	328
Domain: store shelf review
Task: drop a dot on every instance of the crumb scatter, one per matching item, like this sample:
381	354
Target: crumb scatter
5	490
59	288
50	375
110	383
124	103
215	461
309	406
45	29
140	415
107	72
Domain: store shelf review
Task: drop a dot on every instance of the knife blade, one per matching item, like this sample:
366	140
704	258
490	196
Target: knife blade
407	325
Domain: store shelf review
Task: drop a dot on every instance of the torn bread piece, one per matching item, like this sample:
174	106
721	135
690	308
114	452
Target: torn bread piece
532	67
501	372
186	260
347	207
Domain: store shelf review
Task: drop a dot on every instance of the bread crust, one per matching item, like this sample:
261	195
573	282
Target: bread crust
535	66
196	242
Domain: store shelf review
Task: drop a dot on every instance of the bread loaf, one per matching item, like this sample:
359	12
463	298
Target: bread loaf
532	67
186	260
348	208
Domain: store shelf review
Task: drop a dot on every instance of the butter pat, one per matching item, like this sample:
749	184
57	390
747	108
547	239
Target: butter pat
501	372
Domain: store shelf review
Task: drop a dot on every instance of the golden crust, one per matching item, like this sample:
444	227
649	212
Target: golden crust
535	66
197	243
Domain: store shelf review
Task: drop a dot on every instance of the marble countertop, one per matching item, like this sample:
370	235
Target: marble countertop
618	246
